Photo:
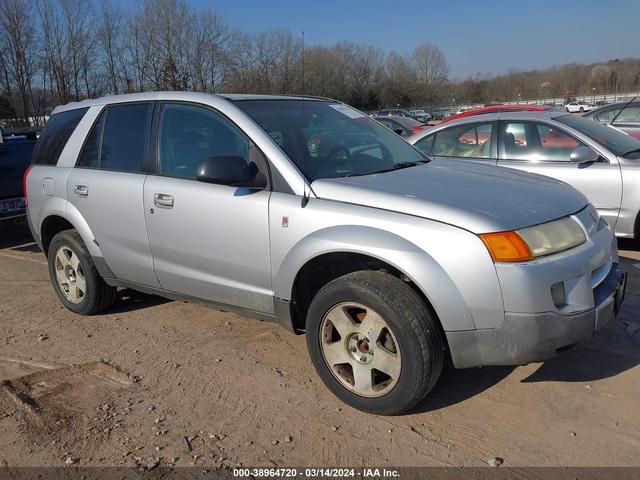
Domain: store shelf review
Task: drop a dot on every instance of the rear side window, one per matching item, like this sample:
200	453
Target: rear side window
55	136
119	139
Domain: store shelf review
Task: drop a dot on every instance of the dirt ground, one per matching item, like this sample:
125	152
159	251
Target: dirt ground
159	382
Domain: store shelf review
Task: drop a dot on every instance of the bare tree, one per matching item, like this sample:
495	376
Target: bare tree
18	44
207	56
110	43
431	68
64	50
601	76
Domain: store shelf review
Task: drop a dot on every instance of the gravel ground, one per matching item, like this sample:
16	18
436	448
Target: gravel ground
155	382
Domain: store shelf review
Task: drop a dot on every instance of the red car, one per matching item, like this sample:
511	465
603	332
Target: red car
496	109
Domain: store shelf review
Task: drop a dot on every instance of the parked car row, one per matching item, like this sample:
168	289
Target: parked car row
600	161
309	213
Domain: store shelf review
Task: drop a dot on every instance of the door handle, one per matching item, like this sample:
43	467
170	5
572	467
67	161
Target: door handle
163	200
81	190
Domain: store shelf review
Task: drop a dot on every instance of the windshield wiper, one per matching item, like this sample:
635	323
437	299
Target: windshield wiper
397	166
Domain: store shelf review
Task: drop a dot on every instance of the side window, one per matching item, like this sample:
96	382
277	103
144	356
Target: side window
425	144
90	156
469	140
119	139
125	137
55	135
629	115
607	116
189	135
537	142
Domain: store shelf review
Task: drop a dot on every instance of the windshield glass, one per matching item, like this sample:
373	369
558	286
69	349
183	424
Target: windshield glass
328	140
616	141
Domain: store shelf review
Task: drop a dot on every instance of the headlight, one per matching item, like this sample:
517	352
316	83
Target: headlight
532	242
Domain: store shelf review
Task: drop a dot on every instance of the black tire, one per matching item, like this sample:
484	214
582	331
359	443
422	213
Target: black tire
98	295
412	323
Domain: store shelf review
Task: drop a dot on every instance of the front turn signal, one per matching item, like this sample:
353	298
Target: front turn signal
506	247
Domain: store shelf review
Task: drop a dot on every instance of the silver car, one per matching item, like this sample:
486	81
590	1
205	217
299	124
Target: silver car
306	212
601	162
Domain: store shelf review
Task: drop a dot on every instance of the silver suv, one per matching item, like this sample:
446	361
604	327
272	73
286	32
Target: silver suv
308	213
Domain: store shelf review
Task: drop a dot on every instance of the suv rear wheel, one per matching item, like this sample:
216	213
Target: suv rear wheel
75	279
374	342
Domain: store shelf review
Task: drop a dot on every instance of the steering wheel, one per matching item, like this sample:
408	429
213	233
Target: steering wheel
330	163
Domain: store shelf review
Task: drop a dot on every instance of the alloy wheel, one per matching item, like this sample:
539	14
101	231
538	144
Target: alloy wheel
69	275
360	349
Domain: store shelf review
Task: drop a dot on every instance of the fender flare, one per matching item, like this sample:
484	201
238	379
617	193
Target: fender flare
60	207
428	275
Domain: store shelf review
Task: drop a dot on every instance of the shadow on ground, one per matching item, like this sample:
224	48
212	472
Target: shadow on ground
456	386
130	300
630	244
16	236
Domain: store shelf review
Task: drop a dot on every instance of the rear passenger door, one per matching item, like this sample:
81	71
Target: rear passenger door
209	241
106	187
470	141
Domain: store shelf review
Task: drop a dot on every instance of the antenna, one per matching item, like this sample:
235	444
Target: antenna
621	110
305	195
303	85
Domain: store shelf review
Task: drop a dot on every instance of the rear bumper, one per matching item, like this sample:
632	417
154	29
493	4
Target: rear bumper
525	338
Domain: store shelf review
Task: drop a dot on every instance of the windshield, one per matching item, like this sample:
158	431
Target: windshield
329	140
616	141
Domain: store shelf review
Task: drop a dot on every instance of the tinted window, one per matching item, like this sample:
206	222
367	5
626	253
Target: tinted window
607	116
125	137
537	142
616	141
90	156
629	115
469	140
425	144
390	124
55	135
189	135
408	122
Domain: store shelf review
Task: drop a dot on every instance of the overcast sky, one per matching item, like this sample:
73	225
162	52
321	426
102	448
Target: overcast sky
476	36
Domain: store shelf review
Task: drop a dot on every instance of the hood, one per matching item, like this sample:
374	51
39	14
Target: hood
479	198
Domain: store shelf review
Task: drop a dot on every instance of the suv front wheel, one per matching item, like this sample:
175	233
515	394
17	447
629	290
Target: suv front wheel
374	342
75	279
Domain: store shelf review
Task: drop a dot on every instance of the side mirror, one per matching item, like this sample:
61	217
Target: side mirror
399	131
230	170
584	155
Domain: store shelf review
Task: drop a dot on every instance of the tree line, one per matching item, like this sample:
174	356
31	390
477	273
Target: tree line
57	51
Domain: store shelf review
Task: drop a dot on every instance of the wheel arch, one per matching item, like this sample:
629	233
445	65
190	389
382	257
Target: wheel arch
64	217
337	251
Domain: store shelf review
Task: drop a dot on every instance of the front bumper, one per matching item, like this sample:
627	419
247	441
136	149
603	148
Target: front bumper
525	338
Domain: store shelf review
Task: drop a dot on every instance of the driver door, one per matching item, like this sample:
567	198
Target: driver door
207	241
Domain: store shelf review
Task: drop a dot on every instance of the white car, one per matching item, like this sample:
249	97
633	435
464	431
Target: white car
573	107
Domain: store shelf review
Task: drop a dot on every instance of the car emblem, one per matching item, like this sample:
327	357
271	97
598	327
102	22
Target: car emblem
285	222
